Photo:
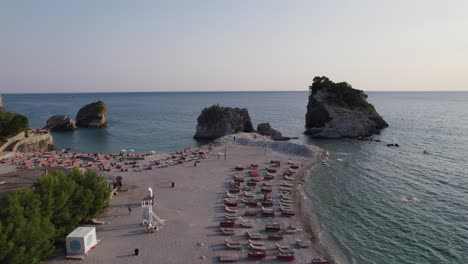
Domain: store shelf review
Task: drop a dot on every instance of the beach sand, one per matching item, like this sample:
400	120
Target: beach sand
193	209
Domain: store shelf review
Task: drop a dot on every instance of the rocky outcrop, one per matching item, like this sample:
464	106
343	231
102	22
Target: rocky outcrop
60	123
216	121
92	115
41	142
336	110
265	129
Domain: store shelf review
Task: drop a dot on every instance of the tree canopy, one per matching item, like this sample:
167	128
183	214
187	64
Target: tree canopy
343	93
33	221
12	124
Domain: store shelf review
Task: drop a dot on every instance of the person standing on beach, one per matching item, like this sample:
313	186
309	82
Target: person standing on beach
129	210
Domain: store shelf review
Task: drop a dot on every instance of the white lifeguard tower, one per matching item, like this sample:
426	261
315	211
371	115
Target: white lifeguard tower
150	219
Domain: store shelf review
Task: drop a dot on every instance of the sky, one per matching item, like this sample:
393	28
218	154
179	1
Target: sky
120	46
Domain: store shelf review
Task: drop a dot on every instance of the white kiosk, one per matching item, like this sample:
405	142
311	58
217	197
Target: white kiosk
81	240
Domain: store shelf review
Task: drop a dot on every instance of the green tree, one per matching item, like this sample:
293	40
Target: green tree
55	191
33	220
29	235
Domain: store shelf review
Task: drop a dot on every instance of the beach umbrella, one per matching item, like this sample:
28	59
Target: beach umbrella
124	150
153	152
132	150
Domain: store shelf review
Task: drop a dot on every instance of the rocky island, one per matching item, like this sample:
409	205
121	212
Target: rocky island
60	123
92	115
217	121
336	110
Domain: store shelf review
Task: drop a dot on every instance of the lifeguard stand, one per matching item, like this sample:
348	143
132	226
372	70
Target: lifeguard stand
149	219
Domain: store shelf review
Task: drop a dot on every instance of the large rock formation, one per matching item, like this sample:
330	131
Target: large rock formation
92	115
216	121
60	123
265	129
337	110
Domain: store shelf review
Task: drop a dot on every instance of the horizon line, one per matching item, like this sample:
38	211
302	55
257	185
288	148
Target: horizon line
230	91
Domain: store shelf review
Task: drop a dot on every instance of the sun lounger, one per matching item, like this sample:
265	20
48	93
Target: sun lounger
281	247
233	246
275	237
251	203
253	235
229	258
289	256
231	204
227	223
230	200
304	244
239	168
232	242
230	195
256	254
250	213
256	243
249	195
285	250
246	223
229	210
255	247
320	261
288	178
291	229
286	184
286	208
227	231
287	213
273	227
231	217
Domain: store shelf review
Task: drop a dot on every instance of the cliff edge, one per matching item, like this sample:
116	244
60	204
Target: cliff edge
336	110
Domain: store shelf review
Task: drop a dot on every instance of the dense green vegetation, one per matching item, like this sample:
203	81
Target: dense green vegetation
33	221
93	108
12	124
343	94
212	114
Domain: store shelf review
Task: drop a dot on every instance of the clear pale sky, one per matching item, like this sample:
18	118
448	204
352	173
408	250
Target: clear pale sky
105	46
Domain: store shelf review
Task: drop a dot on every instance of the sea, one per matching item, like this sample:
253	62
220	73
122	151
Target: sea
376	204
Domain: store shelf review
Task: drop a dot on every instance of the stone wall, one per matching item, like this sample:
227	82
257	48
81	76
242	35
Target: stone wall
12	140
35	143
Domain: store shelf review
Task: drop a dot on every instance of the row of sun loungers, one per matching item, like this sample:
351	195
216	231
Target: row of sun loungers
249	191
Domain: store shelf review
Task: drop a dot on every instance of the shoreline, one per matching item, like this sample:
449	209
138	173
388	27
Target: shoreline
205	177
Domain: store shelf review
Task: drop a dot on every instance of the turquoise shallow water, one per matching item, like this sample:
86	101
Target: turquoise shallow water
377	204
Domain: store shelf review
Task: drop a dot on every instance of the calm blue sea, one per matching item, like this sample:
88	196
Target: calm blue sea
377	204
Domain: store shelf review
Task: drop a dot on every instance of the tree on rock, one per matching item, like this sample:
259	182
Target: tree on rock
338	110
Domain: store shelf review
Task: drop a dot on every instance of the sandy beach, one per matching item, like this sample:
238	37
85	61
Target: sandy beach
193	209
